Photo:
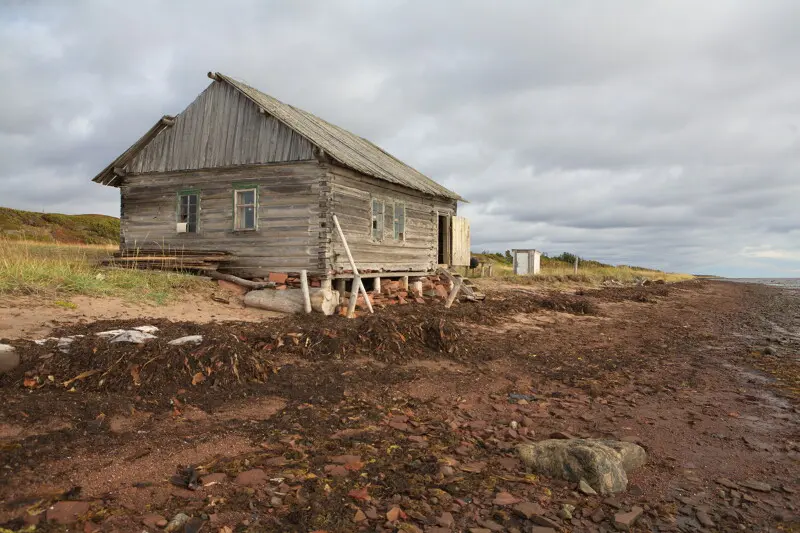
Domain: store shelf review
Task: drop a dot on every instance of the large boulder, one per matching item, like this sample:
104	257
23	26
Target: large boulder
603	464
9	358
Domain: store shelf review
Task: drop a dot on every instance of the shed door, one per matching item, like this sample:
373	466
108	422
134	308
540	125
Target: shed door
460	241
521	260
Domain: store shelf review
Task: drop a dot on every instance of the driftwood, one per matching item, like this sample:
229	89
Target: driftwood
239	281
292	301
306	293
454	292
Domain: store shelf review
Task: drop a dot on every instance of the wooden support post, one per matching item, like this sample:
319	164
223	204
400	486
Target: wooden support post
341	286
576	264
376	285
326	284
416	288
357	283
304	288
351	304
404	283
454	292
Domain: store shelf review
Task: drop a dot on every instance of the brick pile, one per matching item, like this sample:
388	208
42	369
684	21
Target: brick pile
392	292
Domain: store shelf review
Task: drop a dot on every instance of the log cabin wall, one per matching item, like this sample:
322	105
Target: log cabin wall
291	205
351	195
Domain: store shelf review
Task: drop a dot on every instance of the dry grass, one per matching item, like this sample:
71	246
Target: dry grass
557	272
28	267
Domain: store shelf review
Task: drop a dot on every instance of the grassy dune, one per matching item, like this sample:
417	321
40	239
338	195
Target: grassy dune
554	271
55	270
55	227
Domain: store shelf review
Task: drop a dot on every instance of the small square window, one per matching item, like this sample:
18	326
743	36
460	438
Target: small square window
245	209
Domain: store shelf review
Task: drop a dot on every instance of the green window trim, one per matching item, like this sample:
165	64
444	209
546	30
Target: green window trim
245	209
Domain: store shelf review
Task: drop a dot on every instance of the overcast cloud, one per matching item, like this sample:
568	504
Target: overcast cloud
661	133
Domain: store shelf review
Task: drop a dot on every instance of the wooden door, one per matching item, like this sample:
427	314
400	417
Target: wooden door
460	241
521	262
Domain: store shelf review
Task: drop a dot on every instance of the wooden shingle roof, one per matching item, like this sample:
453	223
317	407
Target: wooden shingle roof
348	149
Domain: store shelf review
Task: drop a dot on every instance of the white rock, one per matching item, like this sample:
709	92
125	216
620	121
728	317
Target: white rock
42	342
134	336
146	329
111	333
194	339
9	358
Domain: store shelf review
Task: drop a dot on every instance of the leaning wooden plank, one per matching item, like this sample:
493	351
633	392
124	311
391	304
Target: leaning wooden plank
453	293
466	288
292	300
304	288
240	281
351	304
356	278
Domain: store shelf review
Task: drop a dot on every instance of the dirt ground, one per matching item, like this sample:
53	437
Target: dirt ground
34	317
407	420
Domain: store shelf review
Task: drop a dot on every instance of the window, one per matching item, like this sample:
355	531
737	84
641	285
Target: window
244	207
399	221
188	204
378	211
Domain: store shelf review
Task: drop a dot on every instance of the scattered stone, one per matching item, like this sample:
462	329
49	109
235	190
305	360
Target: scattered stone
566	511
9	358
528	509
189	339
561	435
544	521
598	515
111	333
769	350
154	521
704	519
727	483
505	498
491	525
756	485
194	525
601	463
146	329
252	477
360	516
67	512
177	522
624	521
613	502
585	488
133	336
445	520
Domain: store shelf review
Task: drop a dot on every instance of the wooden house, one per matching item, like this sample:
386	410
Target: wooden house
241	172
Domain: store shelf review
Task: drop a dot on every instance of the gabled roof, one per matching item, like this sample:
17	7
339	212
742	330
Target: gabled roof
342	146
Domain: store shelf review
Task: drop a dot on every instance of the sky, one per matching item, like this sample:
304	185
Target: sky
663	133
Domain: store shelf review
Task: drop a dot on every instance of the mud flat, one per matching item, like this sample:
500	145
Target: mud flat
408	419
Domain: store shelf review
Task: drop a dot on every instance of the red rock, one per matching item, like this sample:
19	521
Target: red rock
336	470
278	277
360	516
280	287
393	514
154	520
445	520
401	300
441	291
505	498
315	283
541	529
528	509
231	287
67	512
252	477
624	521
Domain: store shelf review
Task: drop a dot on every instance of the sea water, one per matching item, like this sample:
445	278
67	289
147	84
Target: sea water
786	283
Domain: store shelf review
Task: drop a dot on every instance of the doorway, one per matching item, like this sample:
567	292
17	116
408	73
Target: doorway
443	248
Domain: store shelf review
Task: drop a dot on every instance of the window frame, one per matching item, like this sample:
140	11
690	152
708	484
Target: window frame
242	188
380	219
178	218
399	236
